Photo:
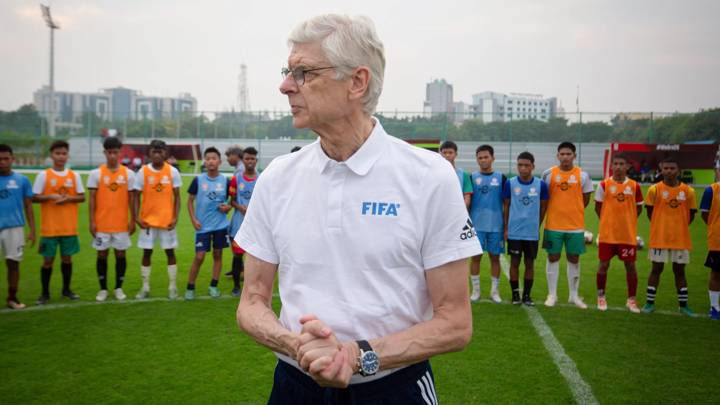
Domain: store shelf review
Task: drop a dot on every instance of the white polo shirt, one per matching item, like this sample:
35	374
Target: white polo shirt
353	239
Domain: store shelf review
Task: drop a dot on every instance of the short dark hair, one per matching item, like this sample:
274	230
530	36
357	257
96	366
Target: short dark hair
621	156
112	142
527	156
59	144
670	159
250	151
211	149
158	144
449	145
5	148
294	149
486	148
234	150
568	145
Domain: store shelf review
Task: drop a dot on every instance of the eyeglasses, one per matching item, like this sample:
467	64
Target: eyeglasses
298	73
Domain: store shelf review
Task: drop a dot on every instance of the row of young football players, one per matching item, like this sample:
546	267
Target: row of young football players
510	213
119	202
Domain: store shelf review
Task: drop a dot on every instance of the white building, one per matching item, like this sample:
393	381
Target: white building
491	106
116	103
438	98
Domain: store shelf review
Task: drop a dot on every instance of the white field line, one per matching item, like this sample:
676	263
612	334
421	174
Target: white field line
581	390
129	301
505	266
591	308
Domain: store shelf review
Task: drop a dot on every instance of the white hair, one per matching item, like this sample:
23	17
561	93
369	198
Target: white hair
348	42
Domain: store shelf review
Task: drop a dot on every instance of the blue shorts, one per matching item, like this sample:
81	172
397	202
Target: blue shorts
410	385
492	242
219	240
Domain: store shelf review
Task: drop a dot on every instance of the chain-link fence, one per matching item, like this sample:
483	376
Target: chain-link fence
272	132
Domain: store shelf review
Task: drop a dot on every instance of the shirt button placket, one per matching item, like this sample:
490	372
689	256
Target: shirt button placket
335	193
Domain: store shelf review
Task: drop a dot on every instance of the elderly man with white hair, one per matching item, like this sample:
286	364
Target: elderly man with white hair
369	237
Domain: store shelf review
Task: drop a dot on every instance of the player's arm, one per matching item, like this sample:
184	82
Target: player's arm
176	207
131	206
191	210
468	200
692	215
706	204
91	211
705	215
506	216
586	199
254	313
638	199
77	199
587	187
649	202
30	218
543	210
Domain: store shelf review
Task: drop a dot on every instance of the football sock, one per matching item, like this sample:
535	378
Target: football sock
213	283
145	273
651	291
236	271
601	281
101	267
45	273
12	294
682	296
190	286
172	275
120	267
714	299
527	287
573	274
475	282
632	282
515	286
552	270
495	283
66	269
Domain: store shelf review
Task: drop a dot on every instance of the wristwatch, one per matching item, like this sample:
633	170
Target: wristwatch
368	361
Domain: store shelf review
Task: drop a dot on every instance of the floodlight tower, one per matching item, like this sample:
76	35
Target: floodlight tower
53	26
243	98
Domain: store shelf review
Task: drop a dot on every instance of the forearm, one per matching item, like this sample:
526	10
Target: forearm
76	198
259	321
439	335
29	215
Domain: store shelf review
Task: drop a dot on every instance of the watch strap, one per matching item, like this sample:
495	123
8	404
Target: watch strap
364	346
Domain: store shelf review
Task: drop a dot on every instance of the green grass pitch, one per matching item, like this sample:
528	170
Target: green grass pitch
162	351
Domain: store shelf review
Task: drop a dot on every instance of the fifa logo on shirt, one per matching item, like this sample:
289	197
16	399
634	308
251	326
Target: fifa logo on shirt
380	208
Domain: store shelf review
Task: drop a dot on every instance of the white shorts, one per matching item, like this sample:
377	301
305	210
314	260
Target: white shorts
679	256
147	238
115	240
12	242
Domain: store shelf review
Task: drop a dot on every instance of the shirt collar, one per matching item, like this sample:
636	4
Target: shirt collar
364	158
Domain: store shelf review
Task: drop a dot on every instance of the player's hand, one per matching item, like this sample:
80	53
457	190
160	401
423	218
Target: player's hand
143	224
131	228
93	230
196	224
224	208
62	199
31	237
242	209
173	224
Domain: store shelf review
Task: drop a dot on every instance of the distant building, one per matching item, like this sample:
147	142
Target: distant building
116	103
492	107
438	98
461	112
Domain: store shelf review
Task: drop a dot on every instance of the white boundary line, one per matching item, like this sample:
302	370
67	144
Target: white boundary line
581	390
592	308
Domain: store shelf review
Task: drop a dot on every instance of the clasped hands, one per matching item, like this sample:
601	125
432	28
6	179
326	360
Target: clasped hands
328	361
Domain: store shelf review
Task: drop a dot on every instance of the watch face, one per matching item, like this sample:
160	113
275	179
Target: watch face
370	363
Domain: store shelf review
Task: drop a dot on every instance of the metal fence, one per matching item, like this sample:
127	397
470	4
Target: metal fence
272	133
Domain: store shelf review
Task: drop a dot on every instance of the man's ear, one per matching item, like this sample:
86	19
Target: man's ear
359	82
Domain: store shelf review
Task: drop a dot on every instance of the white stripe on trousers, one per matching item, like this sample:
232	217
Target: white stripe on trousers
427	389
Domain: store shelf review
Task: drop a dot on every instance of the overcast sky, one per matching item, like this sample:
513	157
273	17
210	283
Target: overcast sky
625	55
